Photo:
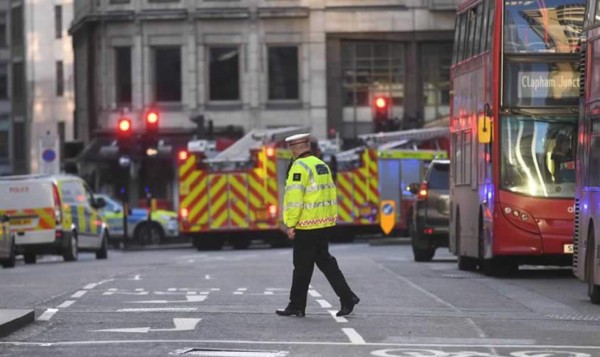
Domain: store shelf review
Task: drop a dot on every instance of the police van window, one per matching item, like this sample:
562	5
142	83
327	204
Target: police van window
89	197
439	177
73	193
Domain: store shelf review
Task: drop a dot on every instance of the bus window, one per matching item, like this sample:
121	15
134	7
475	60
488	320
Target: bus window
538	156
535	26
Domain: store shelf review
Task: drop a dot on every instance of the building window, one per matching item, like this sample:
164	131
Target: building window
436	59
19	141
123	75
16	25
3	39
372	69
3	81
283	73
4	140
60	79
58	28
167	74
224	73
18	79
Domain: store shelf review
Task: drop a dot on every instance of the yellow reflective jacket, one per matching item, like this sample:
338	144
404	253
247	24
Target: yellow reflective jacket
310	200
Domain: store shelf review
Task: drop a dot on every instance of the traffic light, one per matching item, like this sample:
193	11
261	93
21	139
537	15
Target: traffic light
381	113
124	135
150	141
152	121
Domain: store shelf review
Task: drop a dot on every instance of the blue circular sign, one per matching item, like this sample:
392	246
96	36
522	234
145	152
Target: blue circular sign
49	155
387	209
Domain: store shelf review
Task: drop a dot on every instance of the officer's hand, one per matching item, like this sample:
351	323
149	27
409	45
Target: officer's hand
291	233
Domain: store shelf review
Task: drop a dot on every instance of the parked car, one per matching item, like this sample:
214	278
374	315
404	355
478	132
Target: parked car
429	228
53	214
162	224
7	243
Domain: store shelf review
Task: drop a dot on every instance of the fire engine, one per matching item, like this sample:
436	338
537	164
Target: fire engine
372	179
233	196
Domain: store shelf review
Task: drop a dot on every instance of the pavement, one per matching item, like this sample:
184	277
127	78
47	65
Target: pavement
12	320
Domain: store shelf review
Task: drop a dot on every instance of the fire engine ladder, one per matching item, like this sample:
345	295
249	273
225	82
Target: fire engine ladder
240	150
389	140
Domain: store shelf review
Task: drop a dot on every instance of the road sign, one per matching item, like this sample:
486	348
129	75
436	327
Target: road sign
387	219
48	154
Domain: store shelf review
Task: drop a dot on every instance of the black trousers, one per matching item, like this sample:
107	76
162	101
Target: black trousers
310	247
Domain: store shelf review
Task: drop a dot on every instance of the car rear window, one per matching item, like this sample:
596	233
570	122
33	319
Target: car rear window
439	177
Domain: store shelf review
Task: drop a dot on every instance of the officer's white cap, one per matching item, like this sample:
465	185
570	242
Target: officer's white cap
296	139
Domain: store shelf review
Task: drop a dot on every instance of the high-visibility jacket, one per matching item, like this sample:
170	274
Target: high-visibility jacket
310	199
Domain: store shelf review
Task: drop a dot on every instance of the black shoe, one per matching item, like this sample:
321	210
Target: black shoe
348	307
288	311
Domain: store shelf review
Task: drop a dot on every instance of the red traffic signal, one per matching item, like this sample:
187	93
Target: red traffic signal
381	109
124	126
380	103
152	119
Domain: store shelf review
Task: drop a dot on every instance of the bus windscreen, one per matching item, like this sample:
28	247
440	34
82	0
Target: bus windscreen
550	26
538	156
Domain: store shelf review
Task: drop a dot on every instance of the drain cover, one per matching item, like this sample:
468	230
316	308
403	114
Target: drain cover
218	352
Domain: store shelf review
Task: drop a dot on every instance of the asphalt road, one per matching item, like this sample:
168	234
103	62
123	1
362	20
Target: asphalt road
181	302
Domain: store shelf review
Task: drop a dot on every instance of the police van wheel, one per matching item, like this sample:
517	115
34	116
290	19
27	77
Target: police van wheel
71	251
149	233
103	252
29	258
12	258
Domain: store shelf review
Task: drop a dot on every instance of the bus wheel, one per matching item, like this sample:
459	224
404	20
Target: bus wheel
464	263
593	289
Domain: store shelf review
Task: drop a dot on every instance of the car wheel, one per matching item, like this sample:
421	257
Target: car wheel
593	289
423	255
71	252
103	252
29	258
12	258
149	233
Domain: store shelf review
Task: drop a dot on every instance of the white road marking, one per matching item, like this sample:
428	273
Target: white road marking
301	343
215	289
160	309
47	315
90	286
79	294
191	261
240	291
207	277
181	324
172	289
336	318
137	277
66	304
314	293
124	292
189	298
354	337
228	353
324	304
268	293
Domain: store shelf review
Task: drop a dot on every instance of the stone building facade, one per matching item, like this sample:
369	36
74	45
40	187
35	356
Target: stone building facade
260	63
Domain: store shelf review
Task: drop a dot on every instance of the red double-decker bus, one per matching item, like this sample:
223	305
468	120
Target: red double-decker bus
515	88
587	190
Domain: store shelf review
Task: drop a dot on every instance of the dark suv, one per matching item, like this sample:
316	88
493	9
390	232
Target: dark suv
429	226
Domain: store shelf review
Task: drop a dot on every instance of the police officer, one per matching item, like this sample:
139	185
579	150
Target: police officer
310	213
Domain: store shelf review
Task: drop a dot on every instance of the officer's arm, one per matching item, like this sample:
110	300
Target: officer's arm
295	188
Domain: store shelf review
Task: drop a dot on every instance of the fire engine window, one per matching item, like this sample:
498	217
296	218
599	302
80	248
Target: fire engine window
224	73
283	73
167	74
410	173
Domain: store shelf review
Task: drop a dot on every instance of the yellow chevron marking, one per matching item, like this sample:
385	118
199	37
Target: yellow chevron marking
217	202
82	219
196	209
191	196
47	216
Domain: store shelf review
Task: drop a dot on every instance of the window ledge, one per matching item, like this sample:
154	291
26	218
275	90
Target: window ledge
284	105
225	106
